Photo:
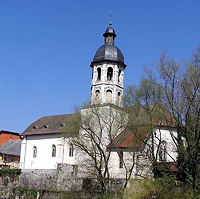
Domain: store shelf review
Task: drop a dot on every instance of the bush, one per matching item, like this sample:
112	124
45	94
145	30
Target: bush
25	192
9	172
160	188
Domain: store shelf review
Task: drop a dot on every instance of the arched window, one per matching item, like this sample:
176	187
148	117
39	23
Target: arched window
53	150
97	96
71	150
109	73
98	74
162	151
109	96
119	75
119	98
34	152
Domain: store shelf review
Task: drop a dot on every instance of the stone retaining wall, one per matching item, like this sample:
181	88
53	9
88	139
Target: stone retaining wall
57	182
61	179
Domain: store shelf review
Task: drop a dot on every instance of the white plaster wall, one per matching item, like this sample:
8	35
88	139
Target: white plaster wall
167	135
110	117
116	115
22	153
66	158
44	159
115	170
142	165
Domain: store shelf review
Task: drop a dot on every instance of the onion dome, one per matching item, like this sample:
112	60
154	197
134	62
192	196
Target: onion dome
109	52
109	32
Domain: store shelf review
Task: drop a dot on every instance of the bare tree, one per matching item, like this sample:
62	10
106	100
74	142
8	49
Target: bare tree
182	97
173	97
97	128
147	118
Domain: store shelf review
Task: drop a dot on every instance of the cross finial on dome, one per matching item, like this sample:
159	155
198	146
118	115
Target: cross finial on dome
110	15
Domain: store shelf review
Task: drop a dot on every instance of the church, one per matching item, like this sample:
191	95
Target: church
47	143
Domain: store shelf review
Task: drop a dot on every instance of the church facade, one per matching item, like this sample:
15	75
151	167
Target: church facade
45	147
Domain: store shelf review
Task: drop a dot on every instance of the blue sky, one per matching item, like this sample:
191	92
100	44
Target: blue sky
46	47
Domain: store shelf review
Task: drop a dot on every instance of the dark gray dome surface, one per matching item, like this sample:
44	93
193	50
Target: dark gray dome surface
109	31
109	53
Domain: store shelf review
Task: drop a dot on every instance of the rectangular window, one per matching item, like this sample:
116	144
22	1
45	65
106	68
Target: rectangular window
71	150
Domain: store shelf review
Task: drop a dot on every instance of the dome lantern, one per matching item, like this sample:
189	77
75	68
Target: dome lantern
109	52
109	35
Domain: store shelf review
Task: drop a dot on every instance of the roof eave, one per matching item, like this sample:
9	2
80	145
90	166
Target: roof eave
107	60
43	133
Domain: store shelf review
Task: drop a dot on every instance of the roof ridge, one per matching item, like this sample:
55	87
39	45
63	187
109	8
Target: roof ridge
1	131
56	115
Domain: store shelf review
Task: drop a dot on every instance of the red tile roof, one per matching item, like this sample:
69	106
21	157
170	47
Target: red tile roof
134	136
5	136
128	139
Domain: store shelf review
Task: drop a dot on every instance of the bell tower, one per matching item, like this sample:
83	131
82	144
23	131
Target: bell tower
108	72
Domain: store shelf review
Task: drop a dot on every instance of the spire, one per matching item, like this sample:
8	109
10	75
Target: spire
110	15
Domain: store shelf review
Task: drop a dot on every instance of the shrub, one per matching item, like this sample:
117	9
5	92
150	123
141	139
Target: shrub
9	172
160	188
25	192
